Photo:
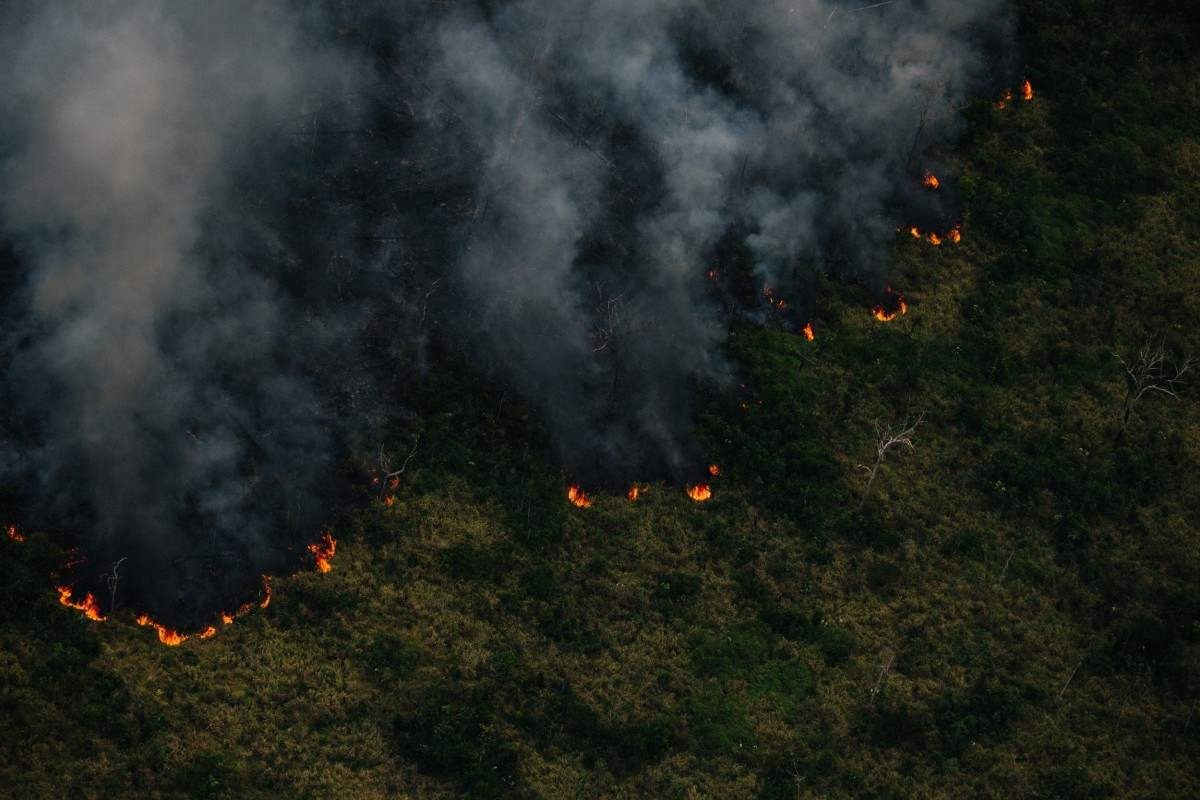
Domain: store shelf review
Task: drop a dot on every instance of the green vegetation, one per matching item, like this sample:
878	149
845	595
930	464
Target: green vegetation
1015	611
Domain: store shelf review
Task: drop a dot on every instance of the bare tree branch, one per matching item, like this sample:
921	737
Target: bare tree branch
1149	372
888	437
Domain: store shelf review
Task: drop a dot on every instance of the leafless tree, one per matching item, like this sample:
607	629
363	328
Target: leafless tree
113	579
607	326
386	461
1149	371
884	669
888	437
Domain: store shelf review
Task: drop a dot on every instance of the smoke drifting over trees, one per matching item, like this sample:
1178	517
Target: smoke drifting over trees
235	228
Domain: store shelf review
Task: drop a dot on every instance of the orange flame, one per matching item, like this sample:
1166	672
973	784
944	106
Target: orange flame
955	235
1005	99
714	470
931	181
577	497
89	606
15	534
170	638
1027	91
389	500
208	632
266	601
774	300
915	232
323	552
226	618
807	330
883	315
700	492
393	483
933	239
634	492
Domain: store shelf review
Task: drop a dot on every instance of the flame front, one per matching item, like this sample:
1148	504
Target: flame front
577	497
955	235
88	605
322	551
807	330
931	181
208	632
883	315
1027	91
700	492
933	239
915	232
169	637
15	534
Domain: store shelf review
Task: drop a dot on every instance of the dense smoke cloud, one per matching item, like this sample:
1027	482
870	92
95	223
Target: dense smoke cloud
233	224
160	378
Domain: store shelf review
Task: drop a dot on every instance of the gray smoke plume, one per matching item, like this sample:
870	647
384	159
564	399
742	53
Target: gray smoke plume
232	224
616	144
161	378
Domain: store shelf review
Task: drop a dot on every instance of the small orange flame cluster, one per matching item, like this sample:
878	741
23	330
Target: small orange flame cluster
577	497
87	606
168	636
323	552
703	491
173	638
775	300
954	235
1006	99
931	181
635	491
807	330
15	534
882	314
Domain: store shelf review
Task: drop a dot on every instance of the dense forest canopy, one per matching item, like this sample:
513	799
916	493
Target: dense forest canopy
1003	603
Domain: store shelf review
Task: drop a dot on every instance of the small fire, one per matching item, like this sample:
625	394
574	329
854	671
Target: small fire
933	239
15	534
700	492
883	315
773	299
89	606
807	330
389	500
714	470
226	618
266	601
170	638
931	181
1005	99
955	235
208	632
915	232
322	551
393	483
634	493
1027	91
577	497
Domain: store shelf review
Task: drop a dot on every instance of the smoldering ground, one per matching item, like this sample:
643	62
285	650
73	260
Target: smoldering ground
238	228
